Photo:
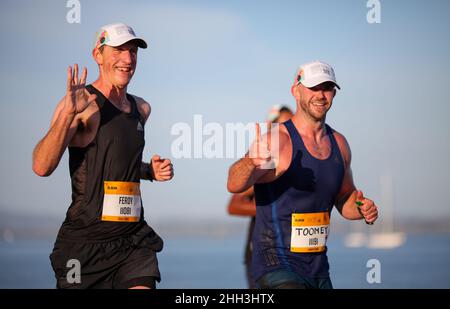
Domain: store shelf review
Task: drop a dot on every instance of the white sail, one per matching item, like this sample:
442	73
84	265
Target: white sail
386	237
381	235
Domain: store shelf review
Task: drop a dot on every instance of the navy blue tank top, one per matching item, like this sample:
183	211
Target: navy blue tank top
309	185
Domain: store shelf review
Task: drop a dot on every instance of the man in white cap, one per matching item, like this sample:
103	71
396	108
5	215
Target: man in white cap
294	196
104	241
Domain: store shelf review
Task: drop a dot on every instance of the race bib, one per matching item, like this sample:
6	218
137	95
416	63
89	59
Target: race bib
309	232
122	201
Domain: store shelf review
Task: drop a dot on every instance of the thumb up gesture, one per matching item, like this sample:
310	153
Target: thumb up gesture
260	150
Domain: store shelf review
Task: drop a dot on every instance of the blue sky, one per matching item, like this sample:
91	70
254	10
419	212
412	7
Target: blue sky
230	61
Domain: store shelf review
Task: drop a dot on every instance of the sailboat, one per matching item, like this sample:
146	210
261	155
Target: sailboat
382	235
356	239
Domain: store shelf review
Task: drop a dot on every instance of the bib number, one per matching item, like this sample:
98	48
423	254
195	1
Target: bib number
309	232
121	202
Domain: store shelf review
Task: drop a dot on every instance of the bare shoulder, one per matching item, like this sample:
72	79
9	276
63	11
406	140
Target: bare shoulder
343	145
143	107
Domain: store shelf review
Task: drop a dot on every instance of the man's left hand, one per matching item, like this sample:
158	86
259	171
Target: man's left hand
368	208
162	168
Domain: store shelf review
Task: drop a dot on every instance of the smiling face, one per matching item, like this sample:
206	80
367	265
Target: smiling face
117	64
316	101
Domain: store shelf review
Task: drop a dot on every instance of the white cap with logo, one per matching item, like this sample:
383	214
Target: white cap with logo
314	73
116	35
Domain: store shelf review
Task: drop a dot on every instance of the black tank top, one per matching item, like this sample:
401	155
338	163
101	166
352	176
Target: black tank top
115	154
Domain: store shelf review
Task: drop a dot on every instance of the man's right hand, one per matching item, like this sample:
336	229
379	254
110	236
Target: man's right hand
260	149
259	161
77	98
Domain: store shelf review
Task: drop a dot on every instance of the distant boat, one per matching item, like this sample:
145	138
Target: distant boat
8	235
386	240
355	240
381	235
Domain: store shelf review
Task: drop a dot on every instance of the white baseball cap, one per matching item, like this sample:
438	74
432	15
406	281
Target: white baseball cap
116	35
314	73
274	112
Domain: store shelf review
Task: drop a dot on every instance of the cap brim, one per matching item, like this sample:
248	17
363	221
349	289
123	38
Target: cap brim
315	83
271	118
141	42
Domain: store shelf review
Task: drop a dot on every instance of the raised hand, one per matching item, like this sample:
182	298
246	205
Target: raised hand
366	207
77	98
260	149
162	168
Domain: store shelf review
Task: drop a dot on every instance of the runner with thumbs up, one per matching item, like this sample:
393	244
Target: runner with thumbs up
309	173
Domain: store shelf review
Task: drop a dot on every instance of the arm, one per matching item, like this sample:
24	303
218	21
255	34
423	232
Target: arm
255	165
146	172
242	175
49	150
65	121
348	195
243	204
144	108
346	199
158	169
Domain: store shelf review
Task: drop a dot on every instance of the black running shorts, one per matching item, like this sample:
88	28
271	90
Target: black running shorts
118	264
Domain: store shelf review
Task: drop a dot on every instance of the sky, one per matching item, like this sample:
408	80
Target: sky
230	61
